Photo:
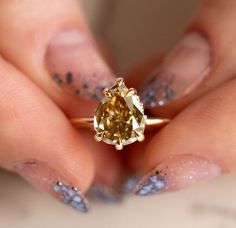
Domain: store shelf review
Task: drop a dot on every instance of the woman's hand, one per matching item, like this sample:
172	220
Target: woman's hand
51	70
195	84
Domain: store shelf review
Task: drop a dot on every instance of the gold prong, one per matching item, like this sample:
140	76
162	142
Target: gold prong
131	91
98	137
120	81
139	136
119	146
107	92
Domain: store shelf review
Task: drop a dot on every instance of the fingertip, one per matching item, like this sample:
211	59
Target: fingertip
109	169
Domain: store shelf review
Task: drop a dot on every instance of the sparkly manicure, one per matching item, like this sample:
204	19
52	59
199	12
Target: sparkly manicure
75	65
183	69
43	177
129	184
176	173
71	196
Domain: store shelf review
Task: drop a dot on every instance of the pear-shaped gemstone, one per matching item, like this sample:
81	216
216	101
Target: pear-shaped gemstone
119	119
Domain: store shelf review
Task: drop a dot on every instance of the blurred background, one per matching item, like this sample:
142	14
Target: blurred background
132	29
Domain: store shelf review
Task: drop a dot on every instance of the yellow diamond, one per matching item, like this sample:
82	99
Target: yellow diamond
119	119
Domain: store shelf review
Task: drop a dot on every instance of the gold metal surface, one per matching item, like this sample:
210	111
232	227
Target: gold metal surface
88	122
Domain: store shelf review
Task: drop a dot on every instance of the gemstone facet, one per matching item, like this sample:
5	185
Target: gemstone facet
119	119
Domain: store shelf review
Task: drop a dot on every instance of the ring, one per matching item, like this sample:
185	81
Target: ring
119	119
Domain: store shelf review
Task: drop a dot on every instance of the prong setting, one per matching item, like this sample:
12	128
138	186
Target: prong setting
119	119
107	93
120	81
98	138
140	138
119	146
131	92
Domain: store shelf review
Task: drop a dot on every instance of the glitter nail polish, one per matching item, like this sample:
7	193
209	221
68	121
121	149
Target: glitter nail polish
71	196
176	173
181	71
47	179
75	65
129	184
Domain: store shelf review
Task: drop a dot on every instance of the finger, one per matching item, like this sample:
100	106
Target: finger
199	62
197	145
134	156
109	170
57	52
37	141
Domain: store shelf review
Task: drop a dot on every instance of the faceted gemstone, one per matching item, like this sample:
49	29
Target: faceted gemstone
119	119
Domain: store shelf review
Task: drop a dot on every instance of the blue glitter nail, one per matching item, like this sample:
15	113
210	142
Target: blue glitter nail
152	185
72	192
158	90
57	188
129	184
71	197
77	199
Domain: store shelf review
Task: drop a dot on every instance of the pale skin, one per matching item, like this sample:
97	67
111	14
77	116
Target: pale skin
34	112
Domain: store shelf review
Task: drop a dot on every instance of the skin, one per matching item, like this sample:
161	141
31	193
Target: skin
207	111
27	95
35	95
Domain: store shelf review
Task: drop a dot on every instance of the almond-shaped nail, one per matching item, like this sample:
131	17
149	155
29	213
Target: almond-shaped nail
176	173
75	65
43	177
181	71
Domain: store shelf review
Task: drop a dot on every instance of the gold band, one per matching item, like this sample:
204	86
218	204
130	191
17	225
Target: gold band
123	106
88	122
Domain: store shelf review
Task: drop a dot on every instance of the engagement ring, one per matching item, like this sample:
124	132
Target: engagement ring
119	119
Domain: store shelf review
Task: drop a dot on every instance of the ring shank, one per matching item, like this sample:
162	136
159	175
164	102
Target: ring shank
88	122
82	122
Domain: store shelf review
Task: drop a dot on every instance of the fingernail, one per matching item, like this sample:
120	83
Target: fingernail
43	177
176	173
104	193
75	65
129	184
183	69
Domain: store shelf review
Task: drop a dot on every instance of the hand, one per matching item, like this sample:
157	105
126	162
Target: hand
50	69
195	84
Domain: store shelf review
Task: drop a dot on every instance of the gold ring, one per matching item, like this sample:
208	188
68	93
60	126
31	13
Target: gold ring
119	119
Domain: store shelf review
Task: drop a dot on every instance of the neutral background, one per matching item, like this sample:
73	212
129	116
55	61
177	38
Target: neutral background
132	29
